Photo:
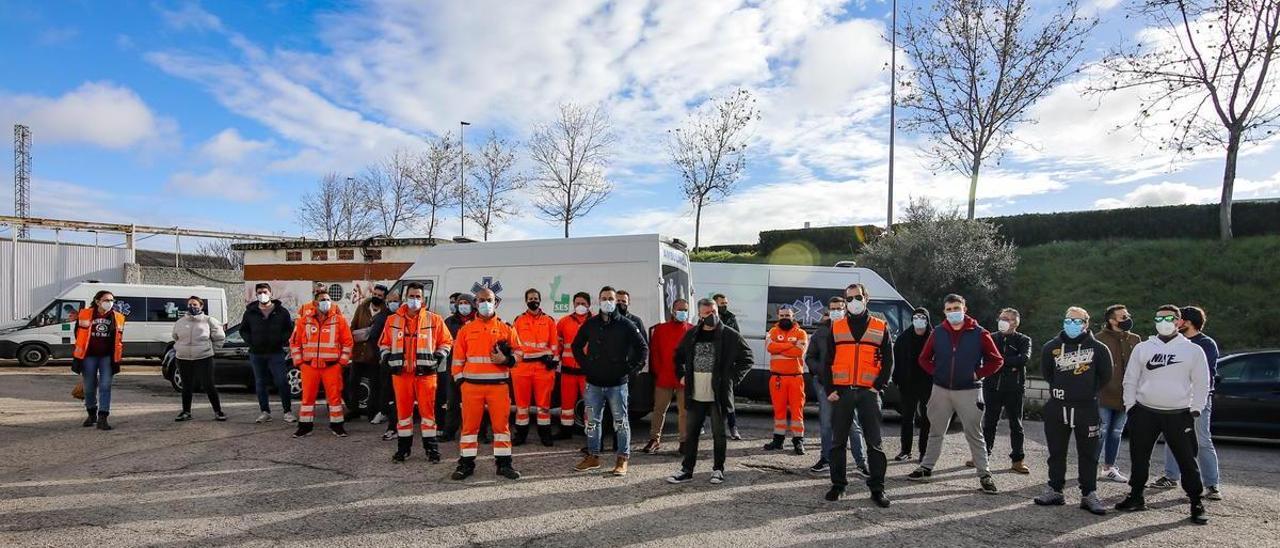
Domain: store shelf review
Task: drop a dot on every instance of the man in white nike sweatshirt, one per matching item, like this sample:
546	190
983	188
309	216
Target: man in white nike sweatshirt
1166	383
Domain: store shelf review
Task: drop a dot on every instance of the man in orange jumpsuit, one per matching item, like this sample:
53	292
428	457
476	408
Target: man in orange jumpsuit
483	354
787	344
413	344
321	346
573	383
535	373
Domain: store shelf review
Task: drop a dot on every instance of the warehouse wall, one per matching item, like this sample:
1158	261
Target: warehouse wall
45	269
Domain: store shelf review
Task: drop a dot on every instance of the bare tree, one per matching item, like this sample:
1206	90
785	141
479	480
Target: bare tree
569	156
494	178
435	179
337	210
221	249
710	151
392	192
1210	69
977	66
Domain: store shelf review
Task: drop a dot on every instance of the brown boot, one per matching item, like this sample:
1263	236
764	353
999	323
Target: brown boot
590	462
620	469
1020	468
969	463
653	445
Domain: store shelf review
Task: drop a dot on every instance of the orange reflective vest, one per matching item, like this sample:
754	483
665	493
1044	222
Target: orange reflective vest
857	361
84	323
786	350
409	338
321	339
568	329
473	350
538	338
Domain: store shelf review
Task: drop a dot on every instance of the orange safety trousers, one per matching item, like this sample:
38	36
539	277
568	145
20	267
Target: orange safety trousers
533	385
787	394
572	388
410	388
312	378
475	398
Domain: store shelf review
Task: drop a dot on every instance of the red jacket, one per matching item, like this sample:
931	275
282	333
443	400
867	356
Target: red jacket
663	340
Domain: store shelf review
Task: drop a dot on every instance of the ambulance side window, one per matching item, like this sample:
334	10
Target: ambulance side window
58	312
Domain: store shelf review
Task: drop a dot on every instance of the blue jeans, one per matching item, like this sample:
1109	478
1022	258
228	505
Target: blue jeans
271	367
1208	456
1110	427
97	372
825	430
616	396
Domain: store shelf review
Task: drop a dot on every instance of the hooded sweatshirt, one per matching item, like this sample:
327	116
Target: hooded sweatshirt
1167	376
1076	369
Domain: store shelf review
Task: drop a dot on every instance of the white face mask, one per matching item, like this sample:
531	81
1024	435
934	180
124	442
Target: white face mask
581	310
956	318
464	309
324	306
857	307
414	303
106	306
919	323
608	306
486	308
837	315
1003	326
1166	328
264	298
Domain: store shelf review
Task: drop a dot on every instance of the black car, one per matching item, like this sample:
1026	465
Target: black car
1246	397
230	366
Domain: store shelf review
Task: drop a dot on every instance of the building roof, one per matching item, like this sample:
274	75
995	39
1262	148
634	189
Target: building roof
330	244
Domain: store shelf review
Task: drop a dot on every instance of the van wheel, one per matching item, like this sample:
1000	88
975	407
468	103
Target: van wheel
33	355
175	380
294	378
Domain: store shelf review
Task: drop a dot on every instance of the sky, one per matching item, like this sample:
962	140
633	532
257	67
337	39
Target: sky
221	115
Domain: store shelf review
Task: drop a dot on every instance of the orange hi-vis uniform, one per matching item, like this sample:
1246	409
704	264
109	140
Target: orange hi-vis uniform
538	340
573	383
857	361
786	382
84	323
409	339
321	347
484	383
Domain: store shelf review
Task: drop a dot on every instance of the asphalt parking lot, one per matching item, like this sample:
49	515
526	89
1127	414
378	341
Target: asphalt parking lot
153	482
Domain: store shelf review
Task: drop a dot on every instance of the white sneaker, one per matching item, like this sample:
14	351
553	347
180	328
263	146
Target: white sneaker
263	417
1115	475
290	418
378	419
717	477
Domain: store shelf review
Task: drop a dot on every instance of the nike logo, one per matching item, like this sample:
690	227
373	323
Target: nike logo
1160	360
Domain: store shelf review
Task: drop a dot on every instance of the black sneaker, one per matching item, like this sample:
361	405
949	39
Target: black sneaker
462	472
220	416
820	467
304	430
182	417
1132	503
433	456
509	473
834	494
879	499
1198	514
338	430
684	476
988	485
902	457
862	472
1163	482
920	474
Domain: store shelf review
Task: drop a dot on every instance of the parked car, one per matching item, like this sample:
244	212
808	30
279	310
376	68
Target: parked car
1246	397
230	366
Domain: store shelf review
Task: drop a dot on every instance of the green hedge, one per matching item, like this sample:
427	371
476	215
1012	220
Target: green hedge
845	240
1234	281
1183	221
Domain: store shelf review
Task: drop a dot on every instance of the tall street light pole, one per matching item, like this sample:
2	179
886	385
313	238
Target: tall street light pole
893	103
462	178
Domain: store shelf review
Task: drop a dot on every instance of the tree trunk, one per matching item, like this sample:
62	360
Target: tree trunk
697	225
566	228
1228	185
973	189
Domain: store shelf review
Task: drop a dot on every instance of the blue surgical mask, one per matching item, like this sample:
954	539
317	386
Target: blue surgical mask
837	315
955	317
414	303
324	306
919	323
1072	329
682	316
464	309
486	308
393	306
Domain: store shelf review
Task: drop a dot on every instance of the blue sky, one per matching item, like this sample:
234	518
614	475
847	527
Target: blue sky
222	114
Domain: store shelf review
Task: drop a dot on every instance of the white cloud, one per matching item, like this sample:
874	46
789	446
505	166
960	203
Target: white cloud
228	146
190	16
217	183
101	114
1172	193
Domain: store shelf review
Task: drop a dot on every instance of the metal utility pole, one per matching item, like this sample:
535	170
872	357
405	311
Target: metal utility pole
21	177
462	177
893	103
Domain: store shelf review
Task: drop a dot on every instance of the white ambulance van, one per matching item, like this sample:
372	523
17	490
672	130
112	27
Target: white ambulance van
652	268
149	310
756	291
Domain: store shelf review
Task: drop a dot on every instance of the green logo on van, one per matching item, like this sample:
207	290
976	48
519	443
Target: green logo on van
560	302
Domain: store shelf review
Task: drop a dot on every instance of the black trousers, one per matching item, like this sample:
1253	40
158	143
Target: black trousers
444	398
696	413
1061	421
351	387
386	395
1179	430
866	404
1009	401
913	406
201	371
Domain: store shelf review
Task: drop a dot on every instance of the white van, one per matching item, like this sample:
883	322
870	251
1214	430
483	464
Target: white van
150	312
652	268
756	291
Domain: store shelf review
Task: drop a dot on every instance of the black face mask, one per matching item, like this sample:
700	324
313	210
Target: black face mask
786	324
711	320
534	305
622	309
723	309
1125	325
378	302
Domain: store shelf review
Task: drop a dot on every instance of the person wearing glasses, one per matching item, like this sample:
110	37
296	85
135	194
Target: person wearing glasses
1166	384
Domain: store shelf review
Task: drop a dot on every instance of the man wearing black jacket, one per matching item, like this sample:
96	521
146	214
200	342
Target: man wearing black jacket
618	350
728	319
266	327
710	360
914	384
461	308
1076	366
1005	389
